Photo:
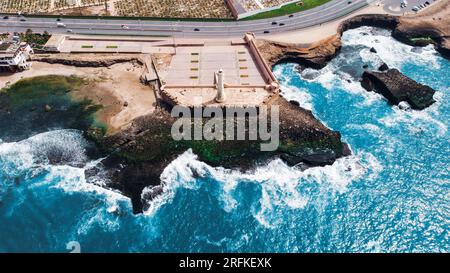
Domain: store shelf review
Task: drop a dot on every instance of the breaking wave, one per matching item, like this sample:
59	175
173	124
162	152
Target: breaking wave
280	184
390	195
52	156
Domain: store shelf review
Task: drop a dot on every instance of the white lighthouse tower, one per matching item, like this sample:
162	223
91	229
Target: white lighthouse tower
220	86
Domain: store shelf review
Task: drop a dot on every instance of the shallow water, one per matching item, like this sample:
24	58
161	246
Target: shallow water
391	195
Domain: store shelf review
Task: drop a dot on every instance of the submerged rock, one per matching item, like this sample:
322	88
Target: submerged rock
396	87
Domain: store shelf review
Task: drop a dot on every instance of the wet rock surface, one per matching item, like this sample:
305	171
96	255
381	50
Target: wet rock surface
396	87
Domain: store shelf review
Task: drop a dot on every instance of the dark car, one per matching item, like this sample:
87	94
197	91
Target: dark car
6	17
291	15
196	29
58	19
23	19
266	31
281	24
274	23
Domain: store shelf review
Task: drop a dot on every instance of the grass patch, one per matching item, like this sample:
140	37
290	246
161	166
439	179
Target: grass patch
244	76
193	77
194	61
111	46
194	69
288	9
87	46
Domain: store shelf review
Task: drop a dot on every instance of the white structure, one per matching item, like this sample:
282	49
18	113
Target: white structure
220	75
15	56
54	43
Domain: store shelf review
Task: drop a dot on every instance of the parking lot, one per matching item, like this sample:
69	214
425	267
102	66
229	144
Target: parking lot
394	6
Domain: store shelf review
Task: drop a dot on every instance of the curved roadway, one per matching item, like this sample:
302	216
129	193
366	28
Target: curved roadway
321	14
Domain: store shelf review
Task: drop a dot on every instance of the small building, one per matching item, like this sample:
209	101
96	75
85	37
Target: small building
54	43
15	56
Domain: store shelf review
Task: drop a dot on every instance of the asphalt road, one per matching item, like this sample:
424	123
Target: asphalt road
324	13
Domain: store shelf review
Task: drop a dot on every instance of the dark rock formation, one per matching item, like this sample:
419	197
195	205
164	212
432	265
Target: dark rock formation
383	67
140	153
367	84
396	87
373	50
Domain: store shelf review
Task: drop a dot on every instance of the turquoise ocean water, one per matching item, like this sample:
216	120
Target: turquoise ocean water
391	195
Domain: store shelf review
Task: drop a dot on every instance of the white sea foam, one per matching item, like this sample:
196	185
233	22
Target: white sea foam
290	92
417	120
389	51
28	158
300	95
280	184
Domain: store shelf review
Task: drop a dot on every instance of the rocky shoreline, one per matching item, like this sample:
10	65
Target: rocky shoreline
430	27
135	156
315	56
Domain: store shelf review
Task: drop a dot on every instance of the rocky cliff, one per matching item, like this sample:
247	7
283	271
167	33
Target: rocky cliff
396	87
431	26
139	154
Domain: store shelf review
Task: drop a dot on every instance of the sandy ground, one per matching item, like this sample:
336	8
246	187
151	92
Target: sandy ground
437	15
117	88
309	35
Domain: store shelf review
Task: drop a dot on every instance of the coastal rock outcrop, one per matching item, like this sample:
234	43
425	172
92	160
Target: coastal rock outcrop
430	26
372	20
139	154
396	87
383	67
316	55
